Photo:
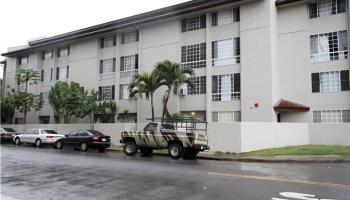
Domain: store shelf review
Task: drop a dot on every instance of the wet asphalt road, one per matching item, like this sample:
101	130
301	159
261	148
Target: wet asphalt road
47	173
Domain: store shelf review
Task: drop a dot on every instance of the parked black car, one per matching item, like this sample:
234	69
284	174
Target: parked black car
85	139
7	134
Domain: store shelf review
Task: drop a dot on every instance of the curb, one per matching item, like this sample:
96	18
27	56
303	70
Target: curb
260	160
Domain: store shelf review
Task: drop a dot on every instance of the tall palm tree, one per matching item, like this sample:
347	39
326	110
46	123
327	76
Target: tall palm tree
173	76
145	83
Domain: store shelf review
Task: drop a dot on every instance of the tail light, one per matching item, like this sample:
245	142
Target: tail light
95	138
50	137
109	138
192	138
8	134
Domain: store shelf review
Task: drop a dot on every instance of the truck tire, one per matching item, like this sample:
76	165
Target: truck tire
175	151
130	148
146	151
191	154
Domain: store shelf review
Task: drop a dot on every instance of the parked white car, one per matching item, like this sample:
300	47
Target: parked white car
37	136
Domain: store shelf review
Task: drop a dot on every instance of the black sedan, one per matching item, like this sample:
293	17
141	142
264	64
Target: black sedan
85	139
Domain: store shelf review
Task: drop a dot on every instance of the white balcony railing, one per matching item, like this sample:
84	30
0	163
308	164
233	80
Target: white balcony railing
128	73
226	61
107	76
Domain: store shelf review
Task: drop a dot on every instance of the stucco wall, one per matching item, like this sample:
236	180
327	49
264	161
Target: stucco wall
330	134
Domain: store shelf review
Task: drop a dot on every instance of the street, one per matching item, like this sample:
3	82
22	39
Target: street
47	173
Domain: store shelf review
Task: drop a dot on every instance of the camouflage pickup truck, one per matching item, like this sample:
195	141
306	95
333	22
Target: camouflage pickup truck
182	139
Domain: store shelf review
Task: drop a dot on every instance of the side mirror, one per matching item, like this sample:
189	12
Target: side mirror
66	135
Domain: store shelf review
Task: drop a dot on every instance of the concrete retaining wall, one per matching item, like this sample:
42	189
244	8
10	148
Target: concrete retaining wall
232	137
330	134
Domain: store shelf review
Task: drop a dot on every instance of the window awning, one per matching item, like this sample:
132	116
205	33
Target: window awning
288	106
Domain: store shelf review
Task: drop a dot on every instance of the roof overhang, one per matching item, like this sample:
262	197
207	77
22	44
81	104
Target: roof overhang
168	12
288	106
286	2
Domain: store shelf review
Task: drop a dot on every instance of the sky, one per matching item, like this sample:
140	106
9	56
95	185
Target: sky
23	20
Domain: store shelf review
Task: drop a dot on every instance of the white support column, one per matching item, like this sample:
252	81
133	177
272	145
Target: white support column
208	70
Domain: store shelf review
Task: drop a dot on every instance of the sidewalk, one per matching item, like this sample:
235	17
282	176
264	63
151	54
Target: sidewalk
265	159
276	159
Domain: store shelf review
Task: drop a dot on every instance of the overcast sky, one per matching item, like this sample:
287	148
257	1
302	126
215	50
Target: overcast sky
22	20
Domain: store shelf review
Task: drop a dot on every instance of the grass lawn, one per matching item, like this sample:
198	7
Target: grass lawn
302	150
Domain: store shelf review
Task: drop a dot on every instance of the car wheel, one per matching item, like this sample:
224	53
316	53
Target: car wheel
17	141
59	145
102	150
83	146
130	148
175	151
146	151
191	154
38	143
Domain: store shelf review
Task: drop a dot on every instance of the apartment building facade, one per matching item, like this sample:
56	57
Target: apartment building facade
254	60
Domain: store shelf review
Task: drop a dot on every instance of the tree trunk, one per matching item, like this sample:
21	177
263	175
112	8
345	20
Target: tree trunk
165	104
152	105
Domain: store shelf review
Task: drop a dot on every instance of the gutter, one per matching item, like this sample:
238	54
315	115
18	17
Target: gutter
172	11
285	2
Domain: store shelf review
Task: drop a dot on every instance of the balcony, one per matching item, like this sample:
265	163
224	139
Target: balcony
107	76
226	61
128	73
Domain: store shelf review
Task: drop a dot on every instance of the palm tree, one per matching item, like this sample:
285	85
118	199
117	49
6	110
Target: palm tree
173	76
145	83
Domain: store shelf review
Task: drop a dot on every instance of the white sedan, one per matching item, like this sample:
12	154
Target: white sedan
37	136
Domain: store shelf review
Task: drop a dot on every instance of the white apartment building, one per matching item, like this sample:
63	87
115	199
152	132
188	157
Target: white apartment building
254	60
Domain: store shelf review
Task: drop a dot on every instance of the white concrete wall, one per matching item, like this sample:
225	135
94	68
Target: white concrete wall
330	134
232	137
256	136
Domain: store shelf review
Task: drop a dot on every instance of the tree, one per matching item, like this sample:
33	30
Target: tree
8	109
89	105
105	112
25	102
66	99
145	83
173	76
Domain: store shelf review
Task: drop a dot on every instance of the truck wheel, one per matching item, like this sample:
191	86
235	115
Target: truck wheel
175	151
146	151
191	154
130	148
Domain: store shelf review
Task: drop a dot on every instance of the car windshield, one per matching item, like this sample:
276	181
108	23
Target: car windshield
49	131
9	130
96	132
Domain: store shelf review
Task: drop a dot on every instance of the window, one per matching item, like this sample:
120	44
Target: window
130	37
62	73
124	92
47	54
226	116
326	8
226	87
194	56
194	23
107	69
106	93
331	116
129	66
64	51
227	16
44	119
333	81
23	60
200	86
329	46
108	41
46	75
44	98
226	52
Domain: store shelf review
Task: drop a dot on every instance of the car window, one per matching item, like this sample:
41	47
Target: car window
82	133
151	127
74	133
35	131
168	126
9	130
30	131
48	132
94	132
